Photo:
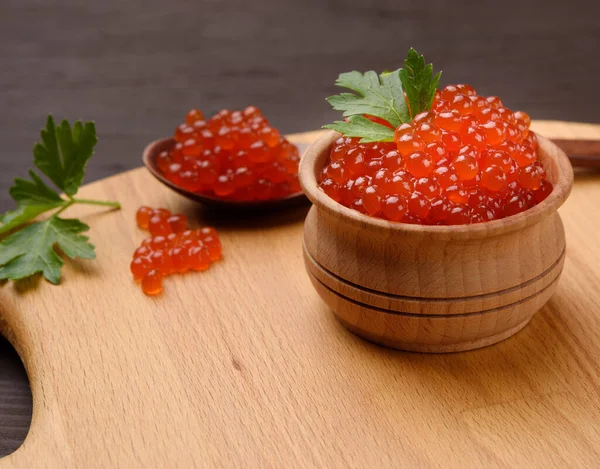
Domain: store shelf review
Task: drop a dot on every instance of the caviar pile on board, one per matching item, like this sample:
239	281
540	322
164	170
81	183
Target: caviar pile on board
172	248
462	158
233	155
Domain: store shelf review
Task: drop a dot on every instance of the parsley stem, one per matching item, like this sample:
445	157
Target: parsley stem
105	203
72	201
66	206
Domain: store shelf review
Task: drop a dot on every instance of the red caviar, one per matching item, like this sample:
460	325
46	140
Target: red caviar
468	160
172	248
234	155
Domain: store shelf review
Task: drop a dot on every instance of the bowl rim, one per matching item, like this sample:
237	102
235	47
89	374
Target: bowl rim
551	155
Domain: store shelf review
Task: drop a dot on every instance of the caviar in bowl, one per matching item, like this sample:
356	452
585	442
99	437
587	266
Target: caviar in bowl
434	288
457	280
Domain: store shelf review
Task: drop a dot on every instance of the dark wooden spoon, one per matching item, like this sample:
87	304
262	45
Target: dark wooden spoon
583	153
149	159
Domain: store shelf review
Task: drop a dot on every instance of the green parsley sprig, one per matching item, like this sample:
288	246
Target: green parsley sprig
62	156
382	96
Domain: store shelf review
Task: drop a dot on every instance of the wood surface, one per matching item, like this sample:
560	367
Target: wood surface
244	366
136	67
434	288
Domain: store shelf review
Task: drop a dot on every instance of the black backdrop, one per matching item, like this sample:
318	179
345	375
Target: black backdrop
136	66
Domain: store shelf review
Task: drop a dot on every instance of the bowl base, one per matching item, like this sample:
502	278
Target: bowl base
425	332
432	348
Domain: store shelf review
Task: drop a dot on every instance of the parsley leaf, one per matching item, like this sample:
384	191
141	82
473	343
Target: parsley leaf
359	126
33	198
383	96
376	95
64	152
32	249
62	156
418	82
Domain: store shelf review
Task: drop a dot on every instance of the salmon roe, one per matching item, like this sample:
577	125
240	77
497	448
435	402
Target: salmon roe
172	248
234	155
468	160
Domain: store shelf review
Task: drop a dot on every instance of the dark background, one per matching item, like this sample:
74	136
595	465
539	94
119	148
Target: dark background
137	66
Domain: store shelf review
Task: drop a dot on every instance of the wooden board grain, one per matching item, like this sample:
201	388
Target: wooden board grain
244	366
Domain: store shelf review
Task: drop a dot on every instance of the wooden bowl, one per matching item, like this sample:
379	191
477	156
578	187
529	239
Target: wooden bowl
434	288
149	159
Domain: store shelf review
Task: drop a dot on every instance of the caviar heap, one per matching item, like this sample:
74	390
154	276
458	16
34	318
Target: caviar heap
233	155
172	248
464	159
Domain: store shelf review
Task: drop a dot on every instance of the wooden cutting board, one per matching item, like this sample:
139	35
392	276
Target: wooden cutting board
244	366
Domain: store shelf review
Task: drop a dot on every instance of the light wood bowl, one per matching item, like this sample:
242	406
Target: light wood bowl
434	288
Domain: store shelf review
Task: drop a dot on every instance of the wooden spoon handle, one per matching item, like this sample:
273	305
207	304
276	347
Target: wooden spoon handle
580	141
582	153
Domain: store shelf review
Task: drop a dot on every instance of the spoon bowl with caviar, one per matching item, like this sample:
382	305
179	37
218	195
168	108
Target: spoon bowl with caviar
235	159
434	226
